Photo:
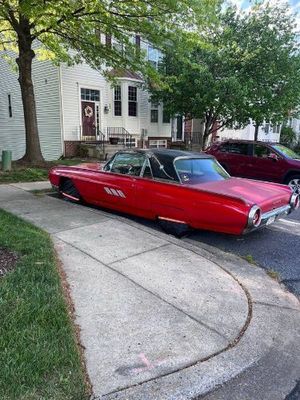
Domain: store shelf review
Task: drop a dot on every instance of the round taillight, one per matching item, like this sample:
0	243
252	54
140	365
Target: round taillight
254	217
257	218
295	201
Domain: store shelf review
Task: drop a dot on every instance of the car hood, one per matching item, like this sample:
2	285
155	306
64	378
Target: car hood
266	195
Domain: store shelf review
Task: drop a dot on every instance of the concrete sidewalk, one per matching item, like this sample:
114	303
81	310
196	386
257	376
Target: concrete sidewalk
163	319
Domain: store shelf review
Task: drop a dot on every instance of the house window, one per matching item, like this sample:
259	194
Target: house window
154	57
154	116
9	106
166	117
267	128
276	128
118	101
90	95
157	144
132	101
118	46
154	113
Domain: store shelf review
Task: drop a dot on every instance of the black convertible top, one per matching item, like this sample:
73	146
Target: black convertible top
162	160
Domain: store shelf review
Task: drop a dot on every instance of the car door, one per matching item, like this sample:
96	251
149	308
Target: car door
267	165
159	192
236	158
118	185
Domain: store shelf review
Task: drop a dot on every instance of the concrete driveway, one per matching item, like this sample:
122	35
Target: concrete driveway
160	318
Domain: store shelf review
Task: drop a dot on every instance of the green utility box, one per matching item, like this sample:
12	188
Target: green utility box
6	160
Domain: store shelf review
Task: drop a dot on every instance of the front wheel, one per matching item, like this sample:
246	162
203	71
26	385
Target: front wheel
294	183
69	191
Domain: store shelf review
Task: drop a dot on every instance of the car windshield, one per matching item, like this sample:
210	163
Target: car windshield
199	170
285	151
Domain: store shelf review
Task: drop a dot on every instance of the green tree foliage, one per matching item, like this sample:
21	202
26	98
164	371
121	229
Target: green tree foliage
287	135
68	31
244	67
272	63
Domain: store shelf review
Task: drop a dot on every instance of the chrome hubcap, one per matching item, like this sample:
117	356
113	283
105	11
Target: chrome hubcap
294	184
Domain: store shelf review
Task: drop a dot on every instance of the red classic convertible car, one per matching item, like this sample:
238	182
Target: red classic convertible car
180	189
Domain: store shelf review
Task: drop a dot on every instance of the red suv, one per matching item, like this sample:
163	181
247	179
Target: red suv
259	160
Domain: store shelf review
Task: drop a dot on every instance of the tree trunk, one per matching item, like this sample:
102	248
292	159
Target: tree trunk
33	152
256	131
206	134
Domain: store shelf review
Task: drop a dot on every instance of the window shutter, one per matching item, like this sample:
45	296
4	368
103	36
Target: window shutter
108	40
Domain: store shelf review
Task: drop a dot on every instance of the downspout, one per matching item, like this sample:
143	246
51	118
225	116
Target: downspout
62	122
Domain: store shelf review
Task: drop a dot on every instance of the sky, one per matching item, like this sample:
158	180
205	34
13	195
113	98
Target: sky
294	4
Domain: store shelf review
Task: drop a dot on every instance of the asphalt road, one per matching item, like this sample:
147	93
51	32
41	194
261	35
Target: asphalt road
276	248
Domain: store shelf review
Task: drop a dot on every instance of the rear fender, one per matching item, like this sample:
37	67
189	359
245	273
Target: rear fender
219	212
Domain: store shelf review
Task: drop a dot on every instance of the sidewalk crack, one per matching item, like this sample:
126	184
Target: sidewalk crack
275	305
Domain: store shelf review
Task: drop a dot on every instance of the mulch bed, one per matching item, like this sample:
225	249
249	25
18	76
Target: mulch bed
8	260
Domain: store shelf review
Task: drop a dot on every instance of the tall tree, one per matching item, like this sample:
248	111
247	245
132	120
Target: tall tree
246	67
68	31
269	45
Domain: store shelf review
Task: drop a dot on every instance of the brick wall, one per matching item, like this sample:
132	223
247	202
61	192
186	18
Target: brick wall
71	148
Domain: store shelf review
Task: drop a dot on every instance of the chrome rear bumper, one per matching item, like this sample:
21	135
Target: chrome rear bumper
270	217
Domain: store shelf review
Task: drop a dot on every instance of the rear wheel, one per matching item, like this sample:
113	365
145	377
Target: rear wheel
69	191
174	228
294	183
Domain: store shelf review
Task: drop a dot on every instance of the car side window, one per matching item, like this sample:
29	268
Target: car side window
235	148
164	172
127	164
261	151
224	148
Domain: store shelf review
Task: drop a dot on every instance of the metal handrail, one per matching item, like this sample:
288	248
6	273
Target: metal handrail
120	133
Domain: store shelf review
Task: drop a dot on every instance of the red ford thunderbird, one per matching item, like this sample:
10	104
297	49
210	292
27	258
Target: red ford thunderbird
180	189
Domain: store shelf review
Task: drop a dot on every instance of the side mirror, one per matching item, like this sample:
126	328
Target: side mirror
273	156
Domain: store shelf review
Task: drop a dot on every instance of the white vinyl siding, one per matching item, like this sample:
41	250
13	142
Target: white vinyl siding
12	134
12	131
46	85
73	79
247	133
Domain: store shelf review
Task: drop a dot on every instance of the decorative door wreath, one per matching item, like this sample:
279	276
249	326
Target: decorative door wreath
88	111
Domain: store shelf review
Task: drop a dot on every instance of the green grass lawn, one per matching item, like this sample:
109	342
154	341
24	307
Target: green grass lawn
23	173
39	358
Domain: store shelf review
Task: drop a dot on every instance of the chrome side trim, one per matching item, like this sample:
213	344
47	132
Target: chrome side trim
172	220
69	196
